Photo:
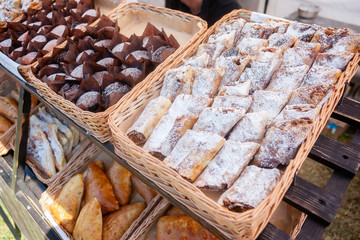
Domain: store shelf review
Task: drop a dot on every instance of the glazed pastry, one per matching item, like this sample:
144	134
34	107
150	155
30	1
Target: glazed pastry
89	224
251	188
98	186
193	152
227	165
282	142
251	46
117	223
298	111
288	77
39	148
236	90
207	81
66	206
321	75
302	53
256	121
302	31
181	116
177	81
234	66
181	227
311	95
333	60
149	118
5	125
120	181
218	120
145	192
271	101
232	102
282	41
8	108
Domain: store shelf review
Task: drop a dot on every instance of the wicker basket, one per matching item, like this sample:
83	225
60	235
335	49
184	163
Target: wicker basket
31	162
147	230
246	225
91	154
185	27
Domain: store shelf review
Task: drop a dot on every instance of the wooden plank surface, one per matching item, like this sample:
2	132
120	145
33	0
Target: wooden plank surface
311	230
313	200
336	155
272	232
348	109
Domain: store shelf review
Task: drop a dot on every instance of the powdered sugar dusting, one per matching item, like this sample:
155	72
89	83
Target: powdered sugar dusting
227	165
271	101
311	94
232	102
251	188
233	66
218	120
251	45
206	82
251	128
288	77
321	75
239	89
299	111
283	41
281	142
333	60
193	152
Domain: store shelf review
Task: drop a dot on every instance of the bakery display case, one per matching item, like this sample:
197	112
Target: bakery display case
176	126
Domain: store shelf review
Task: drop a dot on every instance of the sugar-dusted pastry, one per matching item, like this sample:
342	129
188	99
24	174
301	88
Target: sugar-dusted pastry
181	116
117	223
333	60
234	24
234	66
321	75
177	81
298	111
193	152
207	81
328	36
147	193
349	43
149	118
280	25
257	30
303	53
250	45
283	41
311	95
302	31
266	54
227	165
271	101
232	102
281	142
98	186
251	188
238	89
66	206
120	181
288	77
260	73
89	224
251	128
226	39
200	60
218	120
207	53
181	227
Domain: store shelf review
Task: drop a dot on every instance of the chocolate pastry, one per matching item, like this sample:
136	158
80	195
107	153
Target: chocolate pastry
113	93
